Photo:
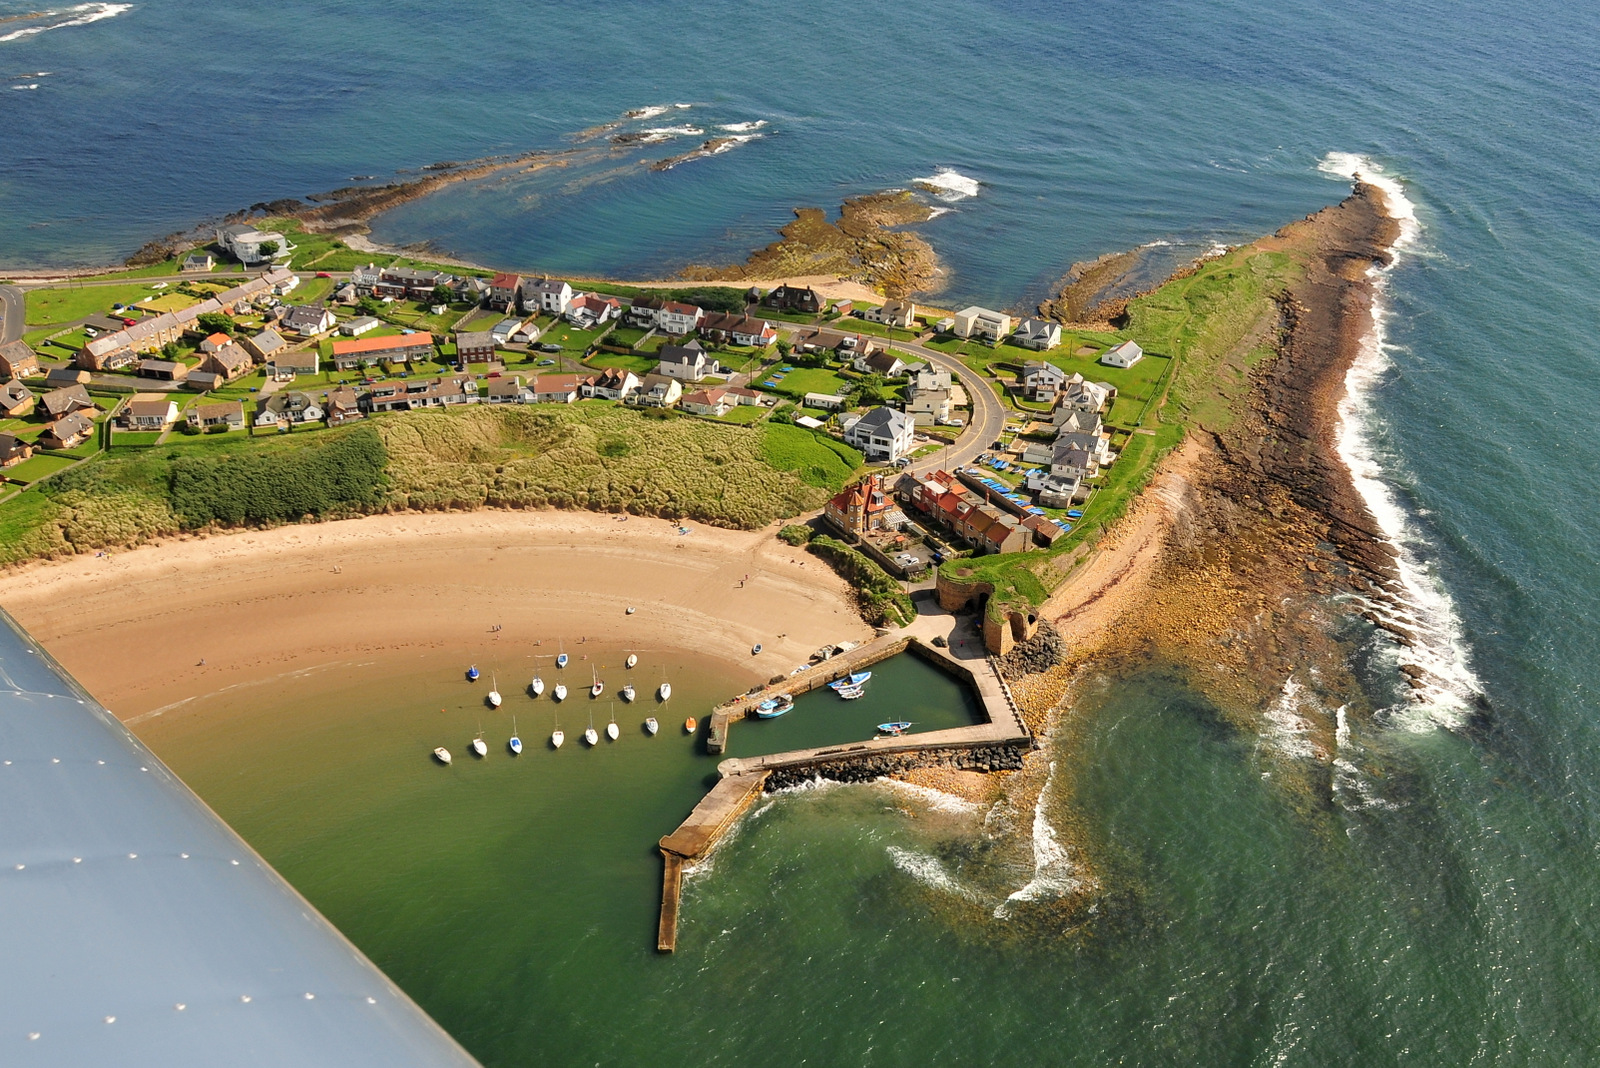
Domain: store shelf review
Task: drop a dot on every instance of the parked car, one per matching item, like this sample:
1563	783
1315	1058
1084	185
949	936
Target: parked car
547	347
324	274
546	363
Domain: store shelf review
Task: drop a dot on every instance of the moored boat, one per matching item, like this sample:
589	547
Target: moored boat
853	681
899	727
536	687
598	688
612	730
557	736
755	650
560	692
633	658
627	692
442	755
590	738
774	708
690	725
651	725
472	673
850	693
479	748
494	693
515	744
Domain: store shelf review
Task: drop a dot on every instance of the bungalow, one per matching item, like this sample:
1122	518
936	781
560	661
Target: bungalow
197	263
1124	355
503	289
360	325
657	391
250	245
1037	334
68	432
343	406
228	414
886	364
369	351
471	291
17	360
555	389
739	329
1041	381
678	319
901	314
13	450
816	339
587	309
16	400
796	298
265	345
508	391
707	402
165	370
882	434
612	383
544	296
981	323
744	395
863	507
230	361
826	401
474	346
66	400
286	408
215	341
203	381
686	362
147	411
291	362
308	320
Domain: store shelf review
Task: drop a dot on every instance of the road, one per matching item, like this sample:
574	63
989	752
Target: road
988	413
13	309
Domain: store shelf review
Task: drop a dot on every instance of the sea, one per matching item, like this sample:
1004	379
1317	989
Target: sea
1439	906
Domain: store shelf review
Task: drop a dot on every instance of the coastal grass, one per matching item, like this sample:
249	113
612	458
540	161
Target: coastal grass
818	459
882	601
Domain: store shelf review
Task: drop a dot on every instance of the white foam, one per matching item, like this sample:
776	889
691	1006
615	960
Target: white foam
1054	874
647	112
937	800
664	132
743	127
1286	729
35	85
78	15
950	184
927	870
1439	646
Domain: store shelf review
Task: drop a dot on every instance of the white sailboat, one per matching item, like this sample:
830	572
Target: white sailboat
557	736
442	755
494	692
651	725
599	687
515	744
561	657
612	730
633	659
560	692
664	691
536	687
627	692
479	747
590	738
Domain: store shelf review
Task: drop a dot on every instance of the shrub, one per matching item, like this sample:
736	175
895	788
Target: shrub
796	534
881	599
279	485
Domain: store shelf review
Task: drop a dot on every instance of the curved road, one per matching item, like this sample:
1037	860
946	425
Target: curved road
13	309
988	413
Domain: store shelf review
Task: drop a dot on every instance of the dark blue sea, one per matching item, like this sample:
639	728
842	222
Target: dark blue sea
1449	912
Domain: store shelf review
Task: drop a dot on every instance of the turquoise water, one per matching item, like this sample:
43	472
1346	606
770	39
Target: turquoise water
1440	906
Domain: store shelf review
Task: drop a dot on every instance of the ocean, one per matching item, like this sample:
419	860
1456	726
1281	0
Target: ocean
1444	913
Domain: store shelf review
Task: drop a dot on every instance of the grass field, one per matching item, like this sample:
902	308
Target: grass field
802	380
66	304
32	470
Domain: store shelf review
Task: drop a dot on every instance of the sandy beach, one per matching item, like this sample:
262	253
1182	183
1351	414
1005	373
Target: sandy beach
134	627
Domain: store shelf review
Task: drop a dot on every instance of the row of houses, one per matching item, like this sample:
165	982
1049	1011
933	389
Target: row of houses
947	501
122	348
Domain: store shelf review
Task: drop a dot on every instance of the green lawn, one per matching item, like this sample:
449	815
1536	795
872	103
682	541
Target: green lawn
627	336
852	325
815	457
65	304
120	438
32	470
639	365
800	381
746	413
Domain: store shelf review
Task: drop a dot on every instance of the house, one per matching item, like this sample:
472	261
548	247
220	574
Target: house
886	364
841	308
587	309
62	377
826	401
250	245
643	311
744	395
410	283
555	389
369	351
229	414
796	298
17	360
816	339
108	352
612	383
544	296
901	314
1079	456
471	291
739	329
1079	422
346	295
287	407
1041	381
16	400
68	432
1053	492
215	342
863	507
474	346
230	361
1080	396
1124	355
966	514
526	334
678	319
291	362
981	323
66	400
203	381
165	370
13	450
930	378
707	402
265	345
503	289
882	434
365	278
926	406
343	406
1037	334
360	325
657	391
283	282
686	362
308	320
508	391
197	263
148	411
501	332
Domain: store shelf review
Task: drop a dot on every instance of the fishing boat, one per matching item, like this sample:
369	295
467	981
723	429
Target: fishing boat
689	725
494	693
612	730
632	659
855	681
472	673
515	744
651	725
755	650
599	687
536	687
850	693
560	691
590	738
442	755
774	708
893	728
479	747
627	692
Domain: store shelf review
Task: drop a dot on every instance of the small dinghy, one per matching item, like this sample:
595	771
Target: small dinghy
598	688
494	694
632	660
515	744
627	692
536	687
557	736
479	748
774	708
850	693
561	659
664	691
689	725
755	650
852	682
893	728
630	610
472	673
612	730
560	692
651	725
442	755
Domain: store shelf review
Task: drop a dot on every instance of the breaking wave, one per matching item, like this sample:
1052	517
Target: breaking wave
937	800
1438	650
743	127
927	870
1054	874
1286	729
950	185
78	15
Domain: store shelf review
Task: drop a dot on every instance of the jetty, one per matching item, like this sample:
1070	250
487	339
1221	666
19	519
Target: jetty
998	744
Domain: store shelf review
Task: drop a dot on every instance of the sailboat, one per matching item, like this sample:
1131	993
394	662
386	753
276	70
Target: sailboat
560	692
561	658
479	747
664	691
590	738
442	755
633	659
599	687
651	725
627	692
494	693
536	687
612	730
515	744
557	736
472	673
755	650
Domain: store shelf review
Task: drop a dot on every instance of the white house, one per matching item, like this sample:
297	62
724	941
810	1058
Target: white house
1124	355
612	383
896	313
826	401
981	323
928	405
1037	334
930	378
545	296
707	402
1041	381
245	242
657	391
675	318
308	319
1078	395
882	434
886	364
587	309
687	363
